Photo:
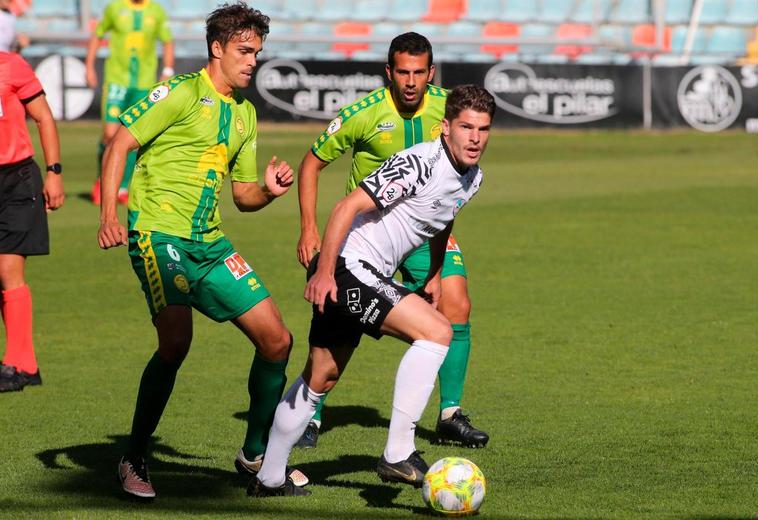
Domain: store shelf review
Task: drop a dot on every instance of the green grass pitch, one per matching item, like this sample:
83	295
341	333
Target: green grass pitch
615	326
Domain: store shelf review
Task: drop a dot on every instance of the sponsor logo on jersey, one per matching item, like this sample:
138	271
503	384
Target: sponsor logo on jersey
334	126
452	245
239	125
160	92
354	300
436	204
387	126
458	205
709	98
181	283
237	265
253	283
205	100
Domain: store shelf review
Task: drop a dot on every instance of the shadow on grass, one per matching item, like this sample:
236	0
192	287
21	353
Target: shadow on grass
333	417
86	475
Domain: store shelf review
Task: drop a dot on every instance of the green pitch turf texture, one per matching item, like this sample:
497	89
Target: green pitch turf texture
615	330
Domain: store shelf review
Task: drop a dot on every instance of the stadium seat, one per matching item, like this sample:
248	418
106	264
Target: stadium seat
369	11
631	11
349	29
572	31
743	12
461	30
555	11
190	9
519	10
500	30
378	50
444	11
334	10
644	36
484	10
679	37
430	30
616	36
678	11
300	10
584	12
714	11
54	8
19	7
752	49
533	30
727	41
407	10
320	49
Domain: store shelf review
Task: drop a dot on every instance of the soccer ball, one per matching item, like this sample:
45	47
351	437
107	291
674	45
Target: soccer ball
454	486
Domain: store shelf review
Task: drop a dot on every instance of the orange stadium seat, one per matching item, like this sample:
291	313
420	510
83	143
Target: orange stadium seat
445	11
19	7
502	30
752	49
348	29
572	31
644	36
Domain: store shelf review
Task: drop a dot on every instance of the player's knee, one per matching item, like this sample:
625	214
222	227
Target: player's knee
440	332
174	349
277	345
457	309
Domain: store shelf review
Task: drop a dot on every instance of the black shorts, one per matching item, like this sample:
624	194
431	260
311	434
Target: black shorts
364	298
23	220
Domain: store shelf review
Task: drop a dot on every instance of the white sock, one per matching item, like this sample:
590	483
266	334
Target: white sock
448	412
413	386
292	415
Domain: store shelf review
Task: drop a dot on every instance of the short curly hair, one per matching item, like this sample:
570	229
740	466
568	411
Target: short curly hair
231	20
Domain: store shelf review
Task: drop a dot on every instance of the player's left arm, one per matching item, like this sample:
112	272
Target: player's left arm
39	110
437	247
251	196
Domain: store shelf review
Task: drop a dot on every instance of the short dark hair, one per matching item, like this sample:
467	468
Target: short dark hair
469	96
411	42
232	20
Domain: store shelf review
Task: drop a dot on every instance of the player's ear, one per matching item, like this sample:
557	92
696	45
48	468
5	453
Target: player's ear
217	49
445	124
388	70
432	70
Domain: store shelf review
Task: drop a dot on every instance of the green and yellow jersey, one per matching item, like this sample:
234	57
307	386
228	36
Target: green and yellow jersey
134	30
375	130
191	137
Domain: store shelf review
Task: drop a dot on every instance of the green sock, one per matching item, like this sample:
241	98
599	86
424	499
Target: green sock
131	160
265	385
154	391
453	370
319	407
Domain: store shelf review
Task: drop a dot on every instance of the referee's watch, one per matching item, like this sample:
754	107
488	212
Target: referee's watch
55	168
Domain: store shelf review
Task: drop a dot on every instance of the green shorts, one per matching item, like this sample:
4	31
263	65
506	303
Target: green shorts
117	98
209	276
415	268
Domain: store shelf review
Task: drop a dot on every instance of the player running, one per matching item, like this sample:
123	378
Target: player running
134	27
386	121
193	131
410	199
23	201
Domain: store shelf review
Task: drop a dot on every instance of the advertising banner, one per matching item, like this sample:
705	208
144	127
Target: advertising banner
709	98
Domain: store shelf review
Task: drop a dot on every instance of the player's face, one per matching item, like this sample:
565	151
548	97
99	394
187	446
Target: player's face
467	135
408	79
238	59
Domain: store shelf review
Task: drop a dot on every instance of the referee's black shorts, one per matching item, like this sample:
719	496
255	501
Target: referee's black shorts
23	220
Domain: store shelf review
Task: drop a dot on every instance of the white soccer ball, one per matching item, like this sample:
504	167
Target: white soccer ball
454	486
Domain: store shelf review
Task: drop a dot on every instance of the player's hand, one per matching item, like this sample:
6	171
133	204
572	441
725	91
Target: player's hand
432	291
278	177
53	192
111	234
91	78
307	247
318	287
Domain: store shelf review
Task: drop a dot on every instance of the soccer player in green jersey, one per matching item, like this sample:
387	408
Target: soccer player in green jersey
192	132
134	26
384	122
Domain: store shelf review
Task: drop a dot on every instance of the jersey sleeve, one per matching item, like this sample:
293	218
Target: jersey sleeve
340	136
154	113
401	176
25	82
244	168
164	31
106	23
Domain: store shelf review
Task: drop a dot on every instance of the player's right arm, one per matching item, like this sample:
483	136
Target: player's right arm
111	232
102	27
307	191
